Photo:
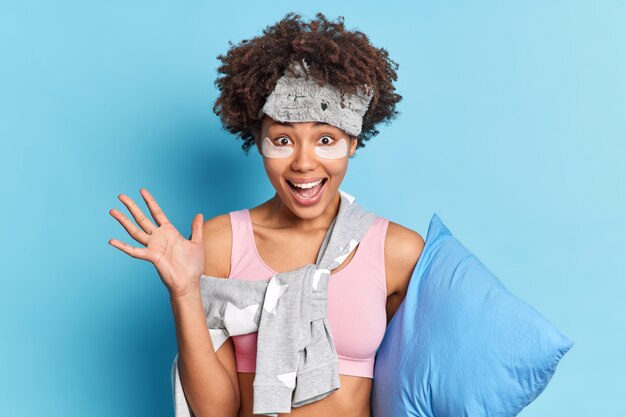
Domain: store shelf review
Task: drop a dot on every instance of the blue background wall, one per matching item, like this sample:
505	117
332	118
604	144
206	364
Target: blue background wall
512	129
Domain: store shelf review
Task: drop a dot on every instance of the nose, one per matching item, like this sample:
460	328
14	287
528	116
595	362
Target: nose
304	158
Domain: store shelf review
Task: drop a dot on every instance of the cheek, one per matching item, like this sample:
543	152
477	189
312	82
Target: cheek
336	168
275	168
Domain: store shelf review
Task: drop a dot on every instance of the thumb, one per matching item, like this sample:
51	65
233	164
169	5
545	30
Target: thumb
196	228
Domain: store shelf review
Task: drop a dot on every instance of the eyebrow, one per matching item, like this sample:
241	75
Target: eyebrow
287	124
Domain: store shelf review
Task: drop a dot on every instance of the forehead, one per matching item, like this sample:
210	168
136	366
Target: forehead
268	123
293	124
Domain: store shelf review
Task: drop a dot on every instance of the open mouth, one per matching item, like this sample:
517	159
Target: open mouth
307	193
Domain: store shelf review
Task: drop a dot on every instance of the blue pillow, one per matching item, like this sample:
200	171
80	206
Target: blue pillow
461	344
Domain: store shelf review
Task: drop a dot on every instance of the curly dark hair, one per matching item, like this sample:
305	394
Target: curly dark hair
344	59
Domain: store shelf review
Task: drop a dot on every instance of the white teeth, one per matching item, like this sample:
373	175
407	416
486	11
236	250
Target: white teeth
307	185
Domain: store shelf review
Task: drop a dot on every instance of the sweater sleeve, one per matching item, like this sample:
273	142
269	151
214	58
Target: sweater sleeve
231	308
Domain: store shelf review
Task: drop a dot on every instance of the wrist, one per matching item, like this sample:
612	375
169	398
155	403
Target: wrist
191	295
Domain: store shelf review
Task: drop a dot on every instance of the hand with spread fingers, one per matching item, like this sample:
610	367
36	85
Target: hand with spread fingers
179	261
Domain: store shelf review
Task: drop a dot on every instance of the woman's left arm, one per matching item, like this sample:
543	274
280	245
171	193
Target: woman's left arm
403	248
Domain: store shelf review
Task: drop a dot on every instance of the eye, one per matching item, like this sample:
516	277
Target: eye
326	140
283	140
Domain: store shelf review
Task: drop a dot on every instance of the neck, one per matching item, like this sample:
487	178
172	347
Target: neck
281	216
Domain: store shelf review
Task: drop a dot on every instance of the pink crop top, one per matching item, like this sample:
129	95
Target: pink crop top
357	297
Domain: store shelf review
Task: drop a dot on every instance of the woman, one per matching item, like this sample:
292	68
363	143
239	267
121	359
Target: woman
306	163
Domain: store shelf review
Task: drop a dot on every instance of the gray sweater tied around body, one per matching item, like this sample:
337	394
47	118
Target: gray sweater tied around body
297	360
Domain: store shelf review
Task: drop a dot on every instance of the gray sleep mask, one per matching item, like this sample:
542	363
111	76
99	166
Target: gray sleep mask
301	99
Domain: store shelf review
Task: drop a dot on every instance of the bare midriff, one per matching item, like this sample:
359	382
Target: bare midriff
351	400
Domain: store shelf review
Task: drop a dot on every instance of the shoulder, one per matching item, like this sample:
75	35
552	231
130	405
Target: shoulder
217	224
403	248
217	237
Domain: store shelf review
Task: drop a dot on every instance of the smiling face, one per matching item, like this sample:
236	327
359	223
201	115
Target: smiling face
313	155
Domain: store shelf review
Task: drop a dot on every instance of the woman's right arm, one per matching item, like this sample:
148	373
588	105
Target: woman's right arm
209	379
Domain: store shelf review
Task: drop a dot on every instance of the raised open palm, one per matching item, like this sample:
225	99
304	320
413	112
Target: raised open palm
179	261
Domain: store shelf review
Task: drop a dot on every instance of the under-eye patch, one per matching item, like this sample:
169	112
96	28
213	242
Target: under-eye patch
337	151
272	151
